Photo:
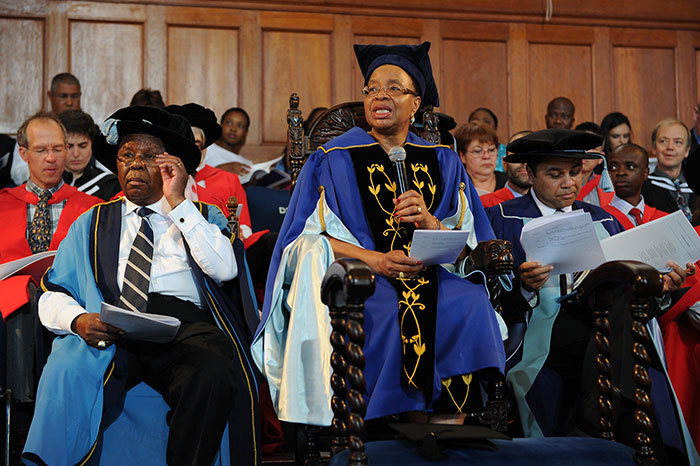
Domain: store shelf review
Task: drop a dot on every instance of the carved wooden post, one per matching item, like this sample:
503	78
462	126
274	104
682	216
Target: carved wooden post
357	383
339	406
430	130
295	137
346	286
606	389
642	399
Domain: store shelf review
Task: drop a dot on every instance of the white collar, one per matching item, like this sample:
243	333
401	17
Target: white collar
160	207
545	209
624	206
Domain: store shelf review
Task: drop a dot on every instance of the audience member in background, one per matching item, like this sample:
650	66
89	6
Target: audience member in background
629	168
666	188
477	145
225	154
65	93
518	180
695	130
590	191
80	170
616	130
486	116
560	113
36	217
214	184
147	97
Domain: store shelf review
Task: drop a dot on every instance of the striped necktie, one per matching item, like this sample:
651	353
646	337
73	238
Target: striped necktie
40	228
138	267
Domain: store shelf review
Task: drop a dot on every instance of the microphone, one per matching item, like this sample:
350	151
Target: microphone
397	155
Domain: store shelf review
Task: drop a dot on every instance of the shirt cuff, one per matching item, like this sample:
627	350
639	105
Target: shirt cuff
186	216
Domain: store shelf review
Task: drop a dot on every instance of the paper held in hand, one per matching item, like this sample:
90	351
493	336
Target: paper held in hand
438	246
139	326
669	238
570	243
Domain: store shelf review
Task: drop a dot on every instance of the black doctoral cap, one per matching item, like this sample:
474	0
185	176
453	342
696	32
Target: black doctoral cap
554	142
201	117
413	59
173	130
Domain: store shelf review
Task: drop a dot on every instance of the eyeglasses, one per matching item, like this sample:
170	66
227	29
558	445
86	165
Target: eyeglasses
479	151
128	158
67	96
393	90
44	151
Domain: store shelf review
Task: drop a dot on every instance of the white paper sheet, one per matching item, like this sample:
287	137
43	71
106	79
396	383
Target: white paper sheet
669	238
140	326
438	246
567	241
10	268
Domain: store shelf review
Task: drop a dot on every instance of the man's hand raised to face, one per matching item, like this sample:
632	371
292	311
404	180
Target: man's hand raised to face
174	175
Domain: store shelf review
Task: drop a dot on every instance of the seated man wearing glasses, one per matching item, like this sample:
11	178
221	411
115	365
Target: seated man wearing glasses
35	218
36	215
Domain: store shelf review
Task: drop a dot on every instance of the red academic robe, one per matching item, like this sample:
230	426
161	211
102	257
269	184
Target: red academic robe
496	197
592	184
650	213
222	184
13	211
682	346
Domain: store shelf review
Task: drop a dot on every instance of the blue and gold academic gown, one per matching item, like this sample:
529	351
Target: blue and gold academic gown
340	194
532	386
85	417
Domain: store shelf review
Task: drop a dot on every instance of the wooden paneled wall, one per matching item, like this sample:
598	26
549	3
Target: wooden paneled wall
641	58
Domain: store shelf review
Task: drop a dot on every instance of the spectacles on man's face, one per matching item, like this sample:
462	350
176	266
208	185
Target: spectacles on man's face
128	158
63	96
393	90
44	151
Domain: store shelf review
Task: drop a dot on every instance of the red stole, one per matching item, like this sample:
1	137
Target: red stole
496	197
13	208
587	188
682	346
650	213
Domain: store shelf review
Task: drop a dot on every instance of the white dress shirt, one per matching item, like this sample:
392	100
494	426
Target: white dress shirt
625	207
171	273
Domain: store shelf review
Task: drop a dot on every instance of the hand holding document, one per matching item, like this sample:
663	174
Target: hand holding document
139	326
438	246
569	242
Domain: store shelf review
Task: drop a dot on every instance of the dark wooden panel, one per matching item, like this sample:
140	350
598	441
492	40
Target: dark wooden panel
560	70
697	76
203	67
475	74
644	87
21	81
293	62
107	58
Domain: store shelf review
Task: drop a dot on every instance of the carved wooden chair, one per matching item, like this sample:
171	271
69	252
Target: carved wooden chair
349	282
